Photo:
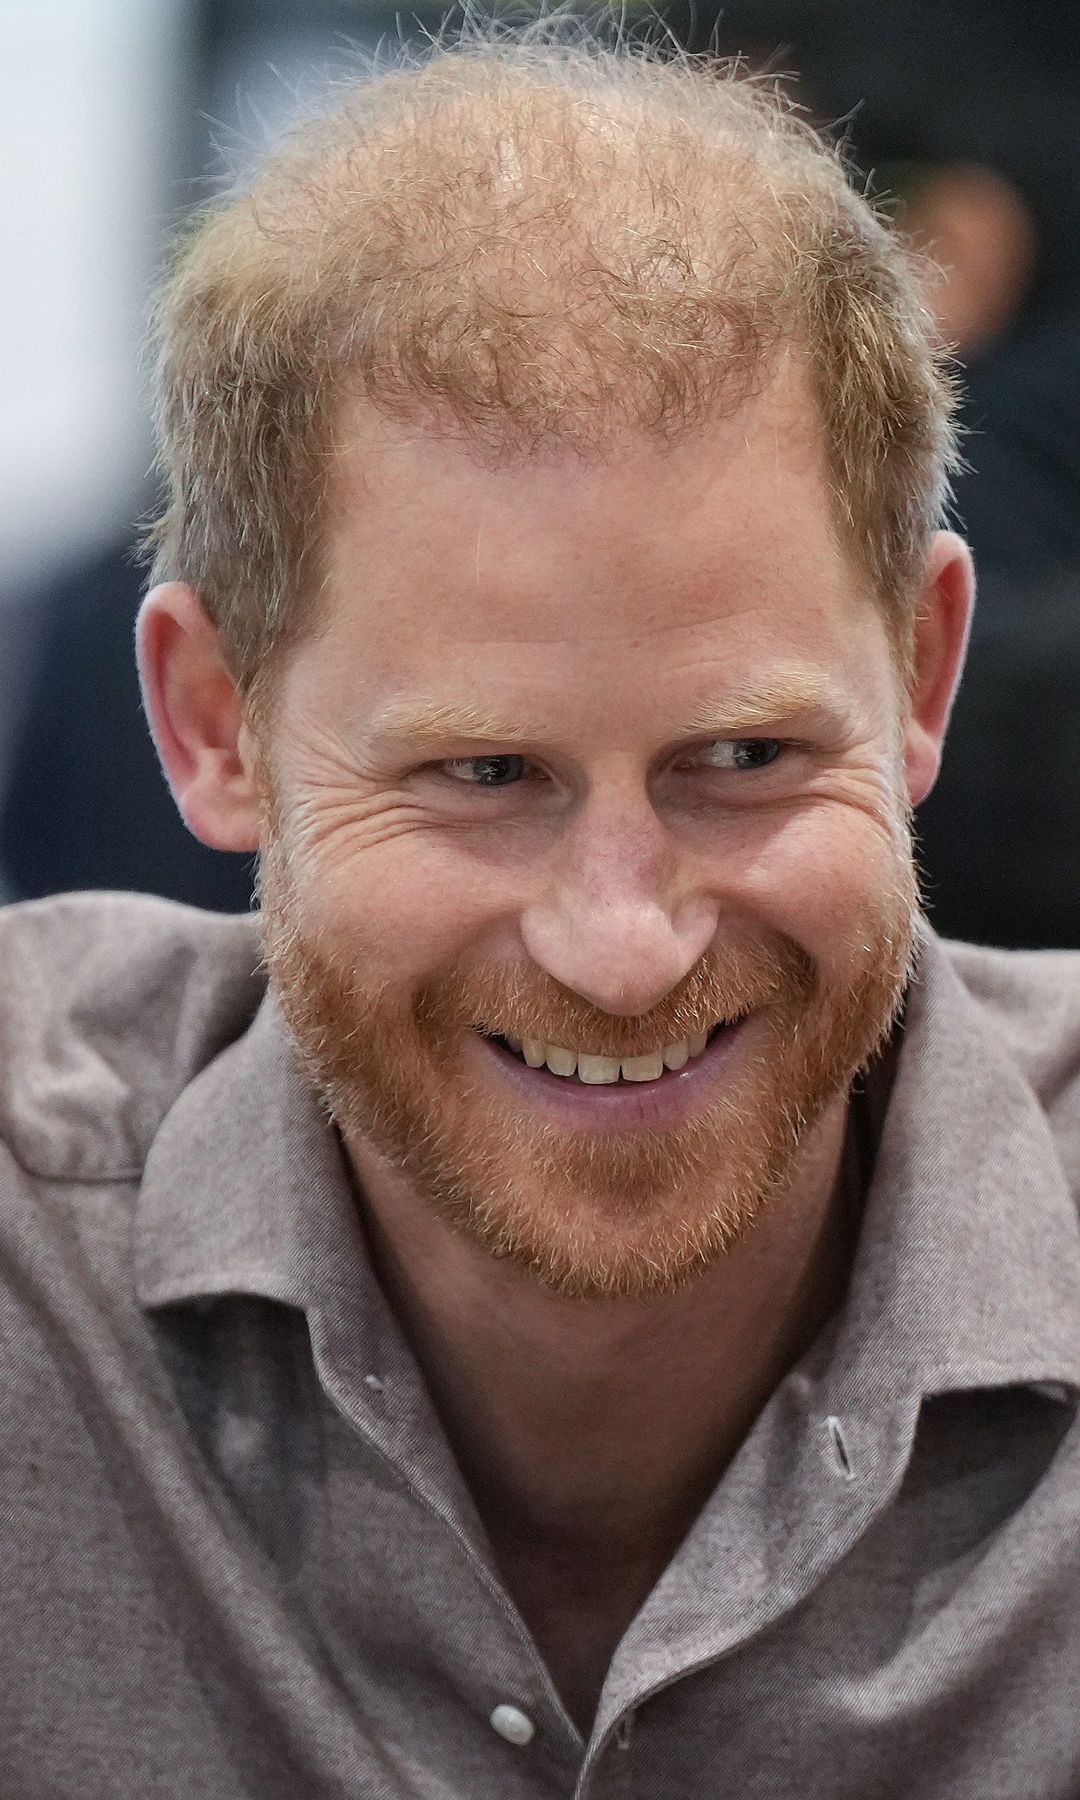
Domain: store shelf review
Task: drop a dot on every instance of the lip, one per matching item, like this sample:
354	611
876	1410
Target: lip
618	1105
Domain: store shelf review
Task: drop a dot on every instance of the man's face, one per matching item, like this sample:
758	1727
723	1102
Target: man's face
592	763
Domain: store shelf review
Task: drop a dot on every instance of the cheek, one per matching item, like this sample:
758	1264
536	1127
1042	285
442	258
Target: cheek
825	877
410	902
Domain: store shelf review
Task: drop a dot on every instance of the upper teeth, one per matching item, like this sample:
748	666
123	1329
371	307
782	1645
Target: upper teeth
598	1069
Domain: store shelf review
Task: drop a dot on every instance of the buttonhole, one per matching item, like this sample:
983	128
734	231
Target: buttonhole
1052	1390
624	1731
376	1382
840	1449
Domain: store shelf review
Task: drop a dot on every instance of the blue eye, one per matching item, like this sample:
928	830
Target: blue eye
743	753
756	753
486	771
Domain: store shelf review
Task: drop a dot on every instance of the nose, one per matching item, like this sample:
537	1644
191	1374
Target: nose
622	917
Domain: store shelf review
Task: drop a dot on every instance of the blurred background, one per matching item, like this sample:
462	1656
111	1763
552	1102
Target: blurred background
117	115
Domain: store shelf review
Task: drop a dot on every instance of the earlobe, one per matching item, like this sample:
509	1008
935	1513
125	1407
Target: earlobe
941	635
196	716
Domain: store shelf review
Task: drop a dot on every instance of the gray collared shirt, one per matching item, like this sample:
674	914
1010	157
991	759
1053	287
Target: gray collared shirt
239	1561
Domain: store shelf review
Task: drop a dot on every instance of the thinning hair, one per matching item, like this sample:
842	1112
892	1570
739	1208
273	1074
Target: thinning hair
523	239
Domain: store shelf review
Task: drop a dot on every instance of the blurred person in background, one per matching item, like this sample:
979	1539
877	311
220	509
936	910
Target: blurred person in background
964	115
81	800
93	102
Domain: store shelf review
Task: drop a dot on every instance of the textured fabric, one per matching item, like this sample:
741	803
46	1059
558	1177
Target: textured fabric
239	1560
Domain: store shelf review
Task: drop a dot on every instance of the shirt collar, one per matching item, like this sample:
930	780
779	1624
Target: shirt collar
967	1273
245	1189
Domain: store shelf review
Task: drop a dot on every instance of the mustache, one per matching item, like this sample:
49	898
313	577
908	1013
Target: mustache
520	1002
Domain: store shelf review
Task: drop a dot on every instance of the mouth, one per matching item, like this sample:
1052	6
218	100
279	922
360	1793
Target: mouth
609	1071
576	1089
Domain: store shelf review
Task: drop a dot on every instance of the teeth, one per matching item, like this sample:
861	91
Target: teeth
602	1070
598	1069
642	1068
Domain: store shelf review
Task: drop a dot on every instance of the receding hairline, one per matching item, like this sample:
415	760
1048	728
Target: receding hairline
471	299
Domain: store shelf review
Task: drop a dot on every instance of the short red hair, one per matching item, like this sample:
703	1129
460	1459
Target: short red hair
526	241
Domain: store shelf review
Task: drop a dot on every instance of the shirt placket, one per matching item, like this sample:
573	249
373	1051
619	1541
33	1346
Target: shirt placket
392	1486
762	1546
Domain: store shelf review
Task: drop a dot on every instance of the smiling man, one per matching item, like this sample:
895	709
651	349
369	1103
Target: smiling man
599	1314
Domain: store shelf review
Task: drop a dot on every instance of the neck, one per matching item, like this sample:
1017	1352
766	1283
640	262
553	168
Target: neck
591	1432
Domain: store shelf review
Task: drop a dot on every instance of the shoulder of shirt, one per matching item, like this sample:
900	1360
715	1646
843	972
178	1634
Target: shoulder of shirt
110	1004
1030	1000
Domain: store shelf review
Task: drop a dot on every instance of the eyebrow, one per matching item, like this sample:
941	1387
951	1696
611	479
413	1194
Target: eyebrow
749	708
423	722
785	696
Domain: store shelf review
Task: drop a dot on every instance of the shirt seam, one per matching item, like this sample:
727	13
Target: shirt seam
38	1172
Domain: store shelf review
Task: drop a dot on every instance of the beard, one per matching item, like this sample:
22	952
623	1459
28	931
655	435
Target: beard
589	1213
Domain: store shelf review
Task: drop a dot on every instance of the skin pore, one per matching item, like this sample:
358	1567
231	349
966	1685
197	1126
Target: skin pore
511	761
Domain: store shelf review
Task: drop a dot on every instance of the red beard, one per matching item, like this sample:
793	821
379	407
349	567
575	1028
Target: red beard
590	1213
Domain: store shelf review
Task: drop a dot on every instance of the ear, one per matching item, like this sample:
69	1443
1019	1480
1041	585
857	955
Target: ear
941	634
197	719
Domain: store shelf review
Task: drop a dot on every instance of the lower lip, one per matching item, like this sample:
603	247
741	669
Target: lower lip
617	1105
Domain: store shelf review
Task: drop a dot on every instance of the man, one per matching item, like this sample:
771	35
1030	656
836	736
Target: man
514	1351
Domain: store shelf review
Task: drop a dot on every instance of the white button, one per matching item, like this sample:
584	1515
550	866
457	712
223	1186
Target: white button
513	1725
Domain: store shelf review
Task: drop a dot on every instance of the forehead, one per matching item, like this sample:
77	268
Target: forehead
633	565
